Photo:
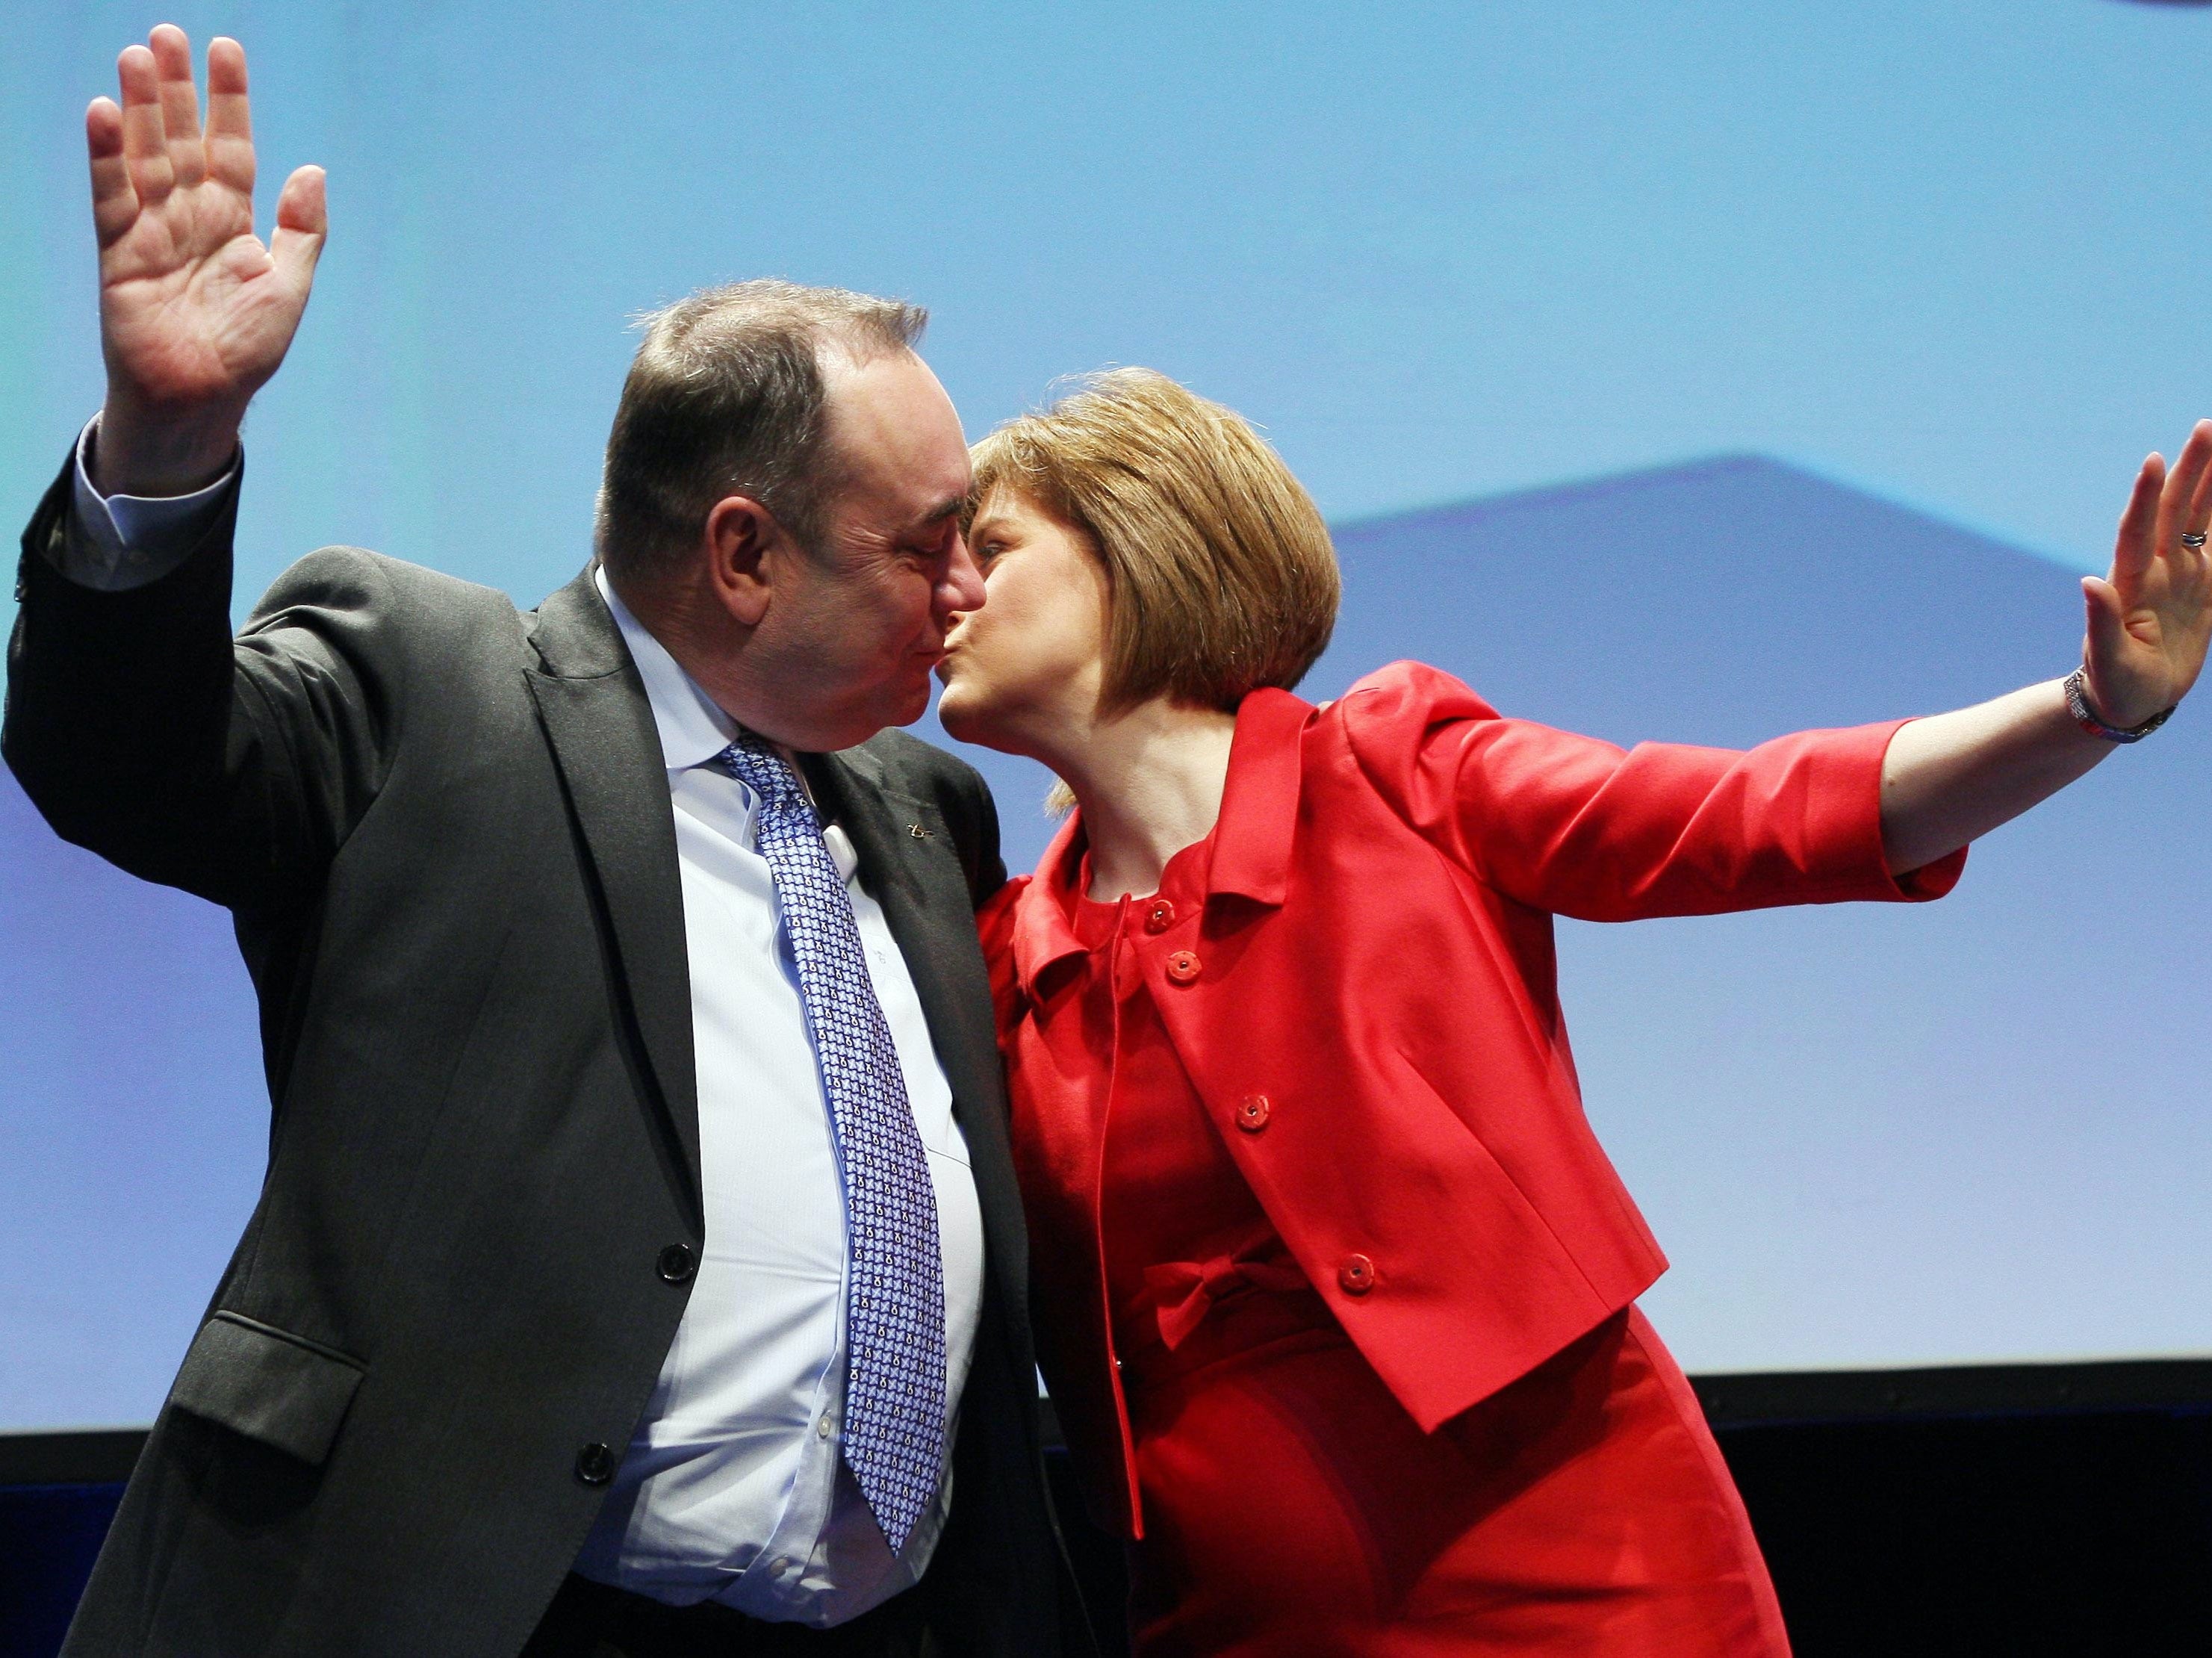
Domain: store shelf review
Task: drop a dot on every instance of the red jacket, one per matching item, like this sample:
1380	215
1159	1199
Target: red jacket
1372	980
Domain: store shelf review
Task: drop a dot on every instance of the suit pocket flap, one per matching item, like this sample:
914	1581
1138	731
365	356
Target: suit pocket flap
261	1382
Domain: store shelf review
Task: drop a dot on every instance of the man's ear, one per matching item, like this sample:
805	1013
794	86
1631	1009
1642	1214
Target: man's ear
742	538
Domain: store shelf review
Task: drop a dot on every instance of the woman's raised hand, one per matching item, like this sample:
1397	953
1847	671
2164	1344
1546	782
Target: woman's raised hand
2151	618
195	313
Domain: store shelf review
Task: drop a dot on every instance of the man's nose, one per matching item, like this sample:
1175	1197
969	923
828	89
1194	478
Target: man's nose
961	590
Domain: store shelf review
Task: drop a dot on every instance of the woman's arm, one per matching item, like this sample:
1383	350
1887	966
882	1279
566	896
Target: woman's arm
1951	778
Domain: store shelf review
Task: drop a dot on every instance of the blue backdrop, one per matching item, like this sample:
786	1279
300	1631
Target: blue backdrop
1948	259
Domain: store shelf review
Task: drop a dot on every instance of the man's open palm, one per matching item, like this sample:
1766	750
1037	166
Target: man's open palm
195	313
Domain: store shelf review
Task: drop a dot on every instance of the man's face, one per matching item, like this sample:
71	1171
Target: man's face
859	622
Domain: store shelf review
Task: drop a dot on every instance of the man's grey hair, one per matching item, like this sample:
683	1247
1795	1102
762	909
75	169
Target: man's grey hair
725	398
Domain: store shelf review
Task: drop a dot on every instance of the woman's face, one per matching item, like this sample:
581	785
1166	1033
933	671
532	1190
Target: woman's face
1023	673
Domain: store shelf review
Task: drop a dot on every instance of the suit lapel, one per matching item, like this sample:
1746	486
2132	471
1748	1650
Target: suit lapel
917	878
599	724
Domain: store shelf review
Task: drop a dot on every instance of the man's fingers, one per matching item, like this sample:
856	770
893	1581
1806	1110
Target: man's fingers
2138	542
145	147
229	121
114	203
302	224
180	103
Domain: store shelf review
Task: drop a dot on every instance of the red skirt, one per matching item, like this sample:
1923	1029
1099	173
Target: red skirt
1292	1509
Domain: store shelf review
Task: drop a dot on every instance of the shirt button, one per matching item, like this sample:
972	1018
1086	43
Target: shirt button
1356	1276
595	1465
1159	915
1252	1113
677	1263
1182	967
822	1429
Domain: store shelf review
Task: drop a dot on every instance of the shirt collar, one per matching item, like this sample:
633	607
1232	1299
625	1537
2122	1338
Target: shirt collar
1251	840
693	728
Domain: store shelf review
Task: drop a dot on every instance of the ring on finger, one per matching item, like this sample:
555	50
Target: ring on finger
2196	540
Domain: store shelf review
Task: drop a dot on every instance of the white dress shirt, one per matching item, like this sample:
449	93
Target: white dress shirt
734	1487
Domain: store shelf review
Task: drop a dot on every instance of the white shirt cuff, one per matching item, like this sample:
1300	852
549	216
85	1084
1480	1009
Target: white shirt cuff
132	540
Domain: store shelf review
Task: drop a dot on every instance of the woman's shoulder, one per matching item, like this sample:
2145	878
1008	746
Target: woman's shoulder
1403	688
1398	708
994	931
995	919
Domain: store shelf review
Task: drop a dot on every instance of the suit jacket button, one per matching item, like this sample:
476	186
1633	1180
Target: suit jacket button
1356	1276
1159	915
595	1465
1182	967
678	1262
1252	1113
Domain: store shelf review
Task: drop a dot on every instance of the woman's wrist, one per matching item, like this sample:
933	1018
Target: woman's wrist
2083	707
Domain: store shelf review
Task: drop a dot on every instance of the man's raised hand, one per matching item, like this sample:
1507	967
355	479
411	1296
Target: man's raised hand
195	313
2150	620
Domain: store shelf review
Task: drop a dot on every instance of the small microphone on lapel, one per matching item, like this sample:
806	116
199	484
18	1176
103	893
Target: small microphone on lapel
920	833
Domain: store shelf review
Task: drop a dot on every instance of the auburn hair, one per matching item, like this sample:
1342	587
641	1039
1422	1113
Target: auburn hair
1221	577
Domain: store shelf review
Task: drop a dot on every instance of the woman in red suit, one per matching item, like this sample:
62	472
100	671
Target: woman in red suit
1336	1290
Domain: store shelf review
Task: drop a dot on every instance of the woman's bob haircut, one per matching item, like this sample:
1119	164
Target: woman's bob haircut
1220	576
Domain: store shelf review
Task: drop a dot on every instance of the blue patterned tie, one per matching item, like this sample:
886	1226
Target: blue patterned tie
895	1299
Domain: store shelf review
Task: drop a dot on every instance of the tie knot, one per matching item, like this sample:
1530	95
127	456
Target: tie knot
757	764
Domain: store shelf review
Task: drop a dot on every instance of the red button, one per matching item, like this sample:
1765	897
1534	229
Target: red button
1159	915
1357	1276
1182	967
1252	1113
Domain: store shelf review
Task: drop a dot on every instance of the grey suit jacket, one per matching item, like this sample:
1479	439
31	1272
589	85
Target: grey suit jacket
444	830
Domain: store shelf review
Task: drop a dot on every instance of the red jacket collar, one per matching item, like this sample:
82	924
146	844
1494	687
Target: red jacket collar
1252	839
1260	802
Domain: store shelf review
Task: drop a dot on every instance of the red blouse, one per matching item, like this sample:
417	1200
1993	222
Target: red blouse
1131	1195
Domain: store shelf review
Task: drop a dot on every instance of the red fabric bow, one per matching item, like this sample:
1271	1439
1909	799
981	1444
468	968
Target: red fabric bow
1182	1292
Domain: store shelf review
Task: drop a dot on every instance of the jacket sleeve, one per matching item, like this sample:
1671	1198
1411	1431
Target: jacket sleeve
1581	827
232	768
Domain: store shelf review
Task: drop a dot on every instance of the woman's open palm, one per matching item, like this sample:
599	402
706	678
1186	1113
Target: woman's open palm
196	313
2150	620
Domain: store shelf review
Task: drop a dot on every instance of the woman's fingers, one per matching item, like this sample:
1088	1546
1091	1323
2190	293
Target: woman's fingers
145	143
230	121
2181	488
180	104
2196	512
114	203
2138	538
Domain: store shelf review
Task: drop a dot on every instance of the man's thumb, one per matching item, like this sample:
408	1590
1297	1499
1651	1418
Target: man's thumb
302	223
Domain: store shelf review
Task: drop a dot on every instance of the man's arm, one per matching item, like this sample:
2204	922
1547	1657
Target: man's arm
132	720
1953	778
195	313
129	541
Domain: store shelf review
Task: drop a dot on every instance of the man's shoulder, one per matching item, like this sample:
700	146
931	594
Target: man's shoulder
903	765
909	765
353	577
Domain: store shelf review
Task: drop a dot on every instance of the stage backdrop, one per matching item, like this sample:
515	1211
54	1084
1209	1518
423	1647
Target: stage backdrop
1874	1134
1442	253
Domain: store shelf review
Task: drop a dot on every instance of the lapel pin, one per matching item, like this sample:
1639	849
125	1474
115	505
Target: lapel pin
920	833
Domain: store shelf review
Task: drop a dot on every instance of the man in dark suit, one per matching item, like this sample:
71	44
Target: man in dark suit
638	1269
